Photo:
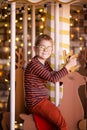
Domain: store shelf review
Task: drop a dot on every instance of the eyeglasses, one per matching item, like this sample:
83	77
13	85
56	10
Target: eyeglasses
42	48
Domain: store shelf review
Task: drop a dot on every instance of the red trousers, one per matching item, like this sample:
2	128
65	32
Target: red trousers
50	112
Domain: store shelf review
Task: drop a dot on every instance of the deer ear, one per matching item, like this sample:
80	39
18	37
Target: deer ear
23	116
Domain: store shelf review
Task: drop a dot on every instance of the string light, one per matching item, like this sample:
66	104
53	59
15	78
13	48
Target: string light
16	21
20	18
0	40
29	17
6	25
29	44
21	44
29	52
8	64
9	40
21	27
17	39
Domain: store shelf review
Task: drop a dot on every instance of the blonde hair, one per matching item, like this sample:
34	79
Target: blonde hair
41	38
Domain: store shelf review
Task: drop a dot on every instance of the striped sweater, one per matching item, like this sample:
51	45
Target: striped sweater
36	77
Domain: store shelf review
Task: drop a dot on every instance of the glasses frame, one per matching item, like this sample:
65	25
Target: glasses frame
42	48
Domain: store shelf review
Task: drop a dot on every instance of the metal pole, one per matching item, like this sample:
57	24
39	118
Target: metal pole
25	34
12	100
33	28
57	51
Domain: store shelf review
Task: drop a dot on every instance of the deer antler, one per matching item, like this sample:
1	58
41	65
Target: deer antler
66	59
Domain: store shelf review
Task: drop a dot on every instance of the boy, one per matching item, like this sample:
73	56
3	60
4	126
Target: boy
37	73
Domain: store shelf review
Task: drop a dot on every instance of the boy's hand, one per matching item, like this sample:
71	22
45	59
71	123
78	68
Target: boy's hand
71	62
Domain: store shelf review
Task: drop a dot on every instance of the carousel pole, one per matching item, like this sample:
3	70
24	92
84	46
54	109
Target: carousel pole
33	35
25	35
12	100
56	40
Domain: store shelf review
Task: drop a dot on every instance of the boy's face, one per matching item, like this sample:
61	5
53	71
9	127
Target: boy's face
44	50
